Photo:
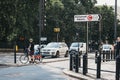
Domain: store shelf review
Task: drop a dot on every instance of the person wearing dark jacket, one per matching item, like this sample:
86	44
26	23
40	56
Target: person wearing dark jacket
117	47
31	50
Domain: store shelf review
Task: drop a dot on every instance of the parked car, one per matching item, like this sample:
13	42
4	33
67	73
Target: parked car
36	47
81	46
106	47
55	49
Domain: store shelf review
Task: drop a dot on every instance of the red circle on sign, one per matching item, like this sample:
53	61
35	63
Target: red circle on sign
89	17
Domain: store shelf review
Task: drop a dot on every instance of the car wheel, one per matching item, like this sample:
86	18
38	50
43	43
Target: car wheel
57	54
66	54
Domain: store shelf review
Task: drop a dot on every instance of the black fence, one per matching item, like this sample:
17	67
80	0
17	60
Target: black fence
99	57
9	46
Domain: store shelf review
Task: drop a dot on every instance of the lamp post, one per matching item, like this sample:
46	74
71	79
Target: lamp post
115	21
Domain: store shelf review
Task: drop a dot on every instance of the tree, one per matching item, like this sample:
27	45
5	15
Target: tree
107	22
20	18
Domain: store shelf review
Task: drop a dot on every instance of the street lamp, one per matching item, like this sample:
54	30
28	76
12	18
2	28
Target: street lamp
115	20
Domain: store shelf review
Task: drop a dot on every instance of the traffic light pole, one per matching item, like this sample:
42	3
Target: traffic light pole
41	18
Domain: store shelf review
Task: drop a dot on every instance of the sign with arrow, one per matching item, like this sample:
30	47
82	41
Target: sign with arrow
85	18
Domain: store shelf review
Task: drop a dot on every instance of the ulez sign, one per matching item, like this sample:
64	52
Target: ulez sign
85	18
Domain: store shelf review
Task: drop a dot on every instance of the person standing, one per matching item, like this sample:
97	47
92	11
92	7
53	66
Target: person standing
117	47
31	50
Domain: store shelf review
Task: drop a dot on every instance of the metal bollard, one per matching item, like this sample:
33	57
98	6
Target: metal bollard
15	49
76	63
104	56
71	62
98	66
96	54
84	64
79	59
117	67
107	55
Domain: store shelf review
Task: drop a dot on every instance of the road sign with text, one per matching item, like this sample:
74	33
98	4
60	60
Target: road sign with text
43	38
85	18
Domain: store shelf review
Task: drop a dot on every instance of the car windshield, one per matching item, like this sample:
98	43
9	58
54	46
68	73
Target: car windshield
106	47
52	45
76	44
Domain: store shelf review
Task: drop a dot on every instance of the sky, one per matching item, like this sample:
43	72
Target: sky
108	2
111	3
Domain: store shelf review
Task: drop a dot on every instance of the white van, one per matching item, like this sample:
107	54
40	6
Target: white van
82	47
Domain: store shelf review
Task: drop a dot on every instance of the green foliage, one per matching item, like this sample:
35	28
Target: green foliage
17	17
21	17
107	21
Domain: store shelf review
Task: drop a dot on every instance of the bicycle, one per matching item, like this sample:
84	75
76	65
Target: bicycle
24	58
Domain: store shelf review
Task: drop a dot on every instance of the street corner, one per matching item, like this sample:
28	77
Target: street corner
78	75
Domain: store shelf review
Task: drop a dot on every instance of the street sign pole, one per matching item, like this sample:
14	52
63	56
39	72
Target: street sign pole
57	30
87	47
88	18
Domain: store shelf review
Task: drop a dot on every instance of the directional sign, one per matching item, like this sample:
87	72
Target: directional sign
56	29
89	17
43	38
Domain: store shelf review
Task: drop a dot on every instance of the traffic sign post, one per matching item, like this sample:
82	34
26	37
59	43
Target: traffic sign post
43	38
57	30
88	18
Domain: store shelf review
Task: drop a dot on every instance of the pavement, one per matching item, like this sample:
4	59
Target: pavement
7	59
107	68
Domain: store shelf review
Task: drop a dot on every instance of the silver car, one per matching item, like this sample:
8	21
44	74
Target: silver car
55	49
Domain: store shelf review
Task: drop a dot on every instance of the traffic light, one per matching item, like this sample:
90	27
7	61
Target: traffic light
44	20
44	12
45	3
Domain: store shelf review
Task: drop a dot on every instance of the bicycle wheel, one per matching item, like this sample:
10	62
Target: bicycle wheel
24	59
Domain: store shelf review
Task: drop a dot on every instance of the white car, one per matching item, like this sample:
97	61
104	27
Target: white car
36	47
106	47
81	46
55	49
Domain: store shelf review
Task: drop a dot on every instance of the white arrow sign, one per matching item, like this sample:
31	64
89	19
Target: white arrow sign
43	38
89	17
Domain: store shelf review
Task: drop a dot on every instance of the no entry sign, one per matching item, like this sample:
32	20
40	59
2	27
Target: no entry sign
89	17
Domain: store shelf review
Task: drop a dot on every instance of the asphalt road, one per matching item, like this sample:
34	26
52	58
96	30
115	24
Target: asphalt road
43	71
52	69
31	72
